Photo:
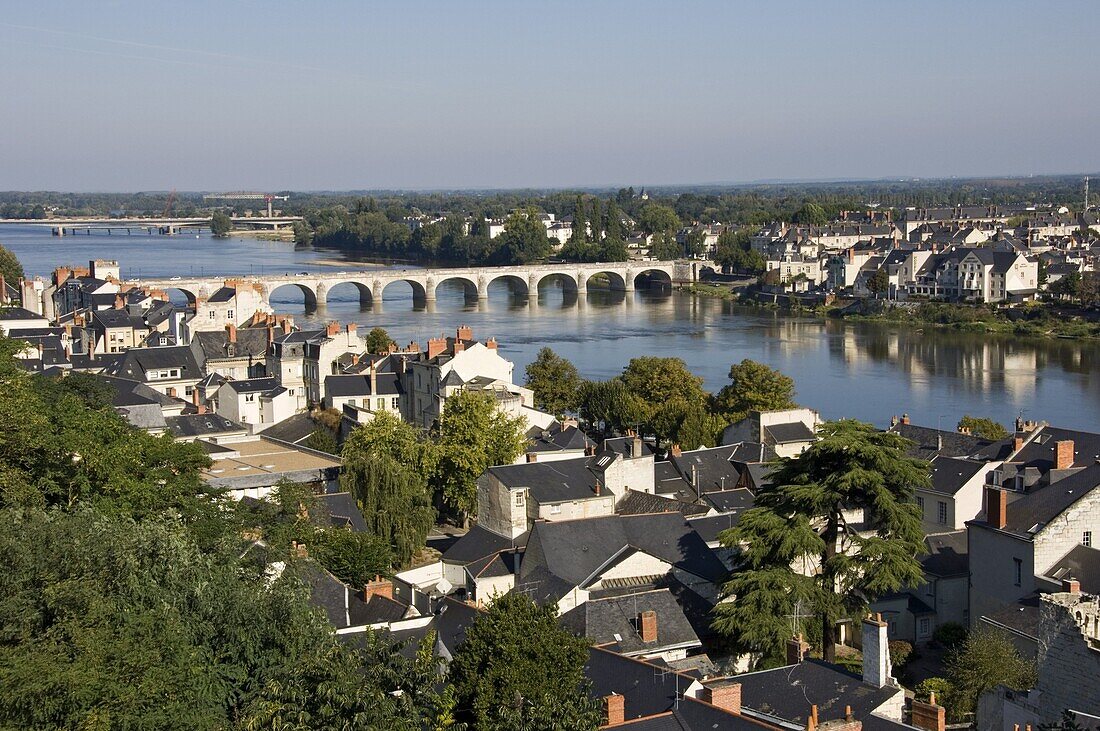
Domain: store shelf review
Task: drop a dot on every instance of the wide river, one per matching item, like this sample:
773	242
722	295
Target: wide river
865	371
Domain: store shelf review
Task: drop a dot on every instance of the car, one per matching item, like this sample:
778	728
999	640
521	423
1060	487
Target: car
303	274
175	279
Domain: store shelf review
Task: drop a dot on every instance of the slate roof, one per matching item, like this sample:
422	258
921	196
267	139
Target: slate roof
556	481
451	621
377	610
215	345
200	425
478	543
930	442
948	554
575	550
950	474
1040	507
788	692
613	621
542	586
708	527
624	446
253	385
557	439
1039	452
134	393
709	468
295	429
795	431
1022	616
339	509
388	384
636	502
223	294
136	362
1081	563
731	501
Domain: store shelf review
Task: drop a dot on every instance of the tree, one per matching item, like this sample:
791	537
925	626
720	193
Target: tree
665	246
524	239
879	282
473	434
386	467
10	268
667	390
656	218
580	224
810	213
555	382
378	341
610	406
982	427
731	246
985	660
753	387
519	669
352	557
220	225
800	520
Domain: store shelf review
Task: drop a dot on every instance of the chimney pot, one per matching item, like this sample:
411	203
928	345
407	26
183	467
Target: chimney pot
1071	586
996	507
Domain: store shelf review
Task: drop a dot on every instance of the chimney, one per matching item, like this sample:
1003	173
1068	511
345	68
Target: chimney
1071	586
1063	454
647	625
929	716
1017	443
459	346
676	451
352	327
996	507
596	487
378	587
332	329
905	419
373	378
796	650
288	325
231	332
465	332
694	476
876	652
533	457
355	359
893	420
726	696
636	447
119	302
270	334
614	709
436	346
491	343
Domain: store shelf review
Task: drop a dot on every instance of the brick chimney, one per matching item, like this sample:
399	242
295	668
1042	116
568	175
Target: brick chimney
119	302
1071	586
332	329
1017	443
491	343
876	653
352	327
676	451
796	649
647	625
1063	454
464	332
905	419
726	696
378	587
614	709
929	716
373	372
231	332
3	290
532	457
848	723
436	346
288	325
996	507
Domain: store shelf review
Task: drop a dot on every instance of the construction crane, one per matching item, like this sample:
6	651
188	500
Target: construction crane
168	203
267	197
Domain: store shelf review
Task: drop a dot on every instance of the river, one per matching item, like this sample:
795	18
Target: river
863	370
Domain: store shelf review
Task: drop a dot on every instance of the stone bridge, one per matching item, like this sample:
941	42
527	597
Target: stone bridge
523	280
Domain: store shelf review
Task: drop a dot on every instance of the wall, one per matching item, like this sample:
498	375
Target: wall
629	473
1069	658
590	508
636	564
1064	532
992	573
500	509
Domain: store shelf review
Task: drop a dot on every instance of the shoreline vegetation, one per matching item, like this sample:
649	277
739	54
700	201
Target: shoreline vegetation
1040	320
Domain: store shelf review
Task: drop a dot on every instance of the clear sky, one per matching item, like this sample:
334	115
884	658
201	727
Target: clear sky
330	95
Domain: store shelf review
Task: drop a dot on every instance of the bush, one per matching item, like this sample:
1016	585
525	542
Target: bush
940	686
900	652
949	634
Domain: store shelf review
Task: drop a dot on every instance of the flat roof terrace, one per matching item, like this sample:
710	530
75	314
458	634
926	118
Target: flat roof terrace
263	462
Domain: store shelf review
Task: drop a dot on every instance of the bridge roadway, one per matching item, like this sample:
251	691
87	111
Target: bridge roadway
620	276
60	224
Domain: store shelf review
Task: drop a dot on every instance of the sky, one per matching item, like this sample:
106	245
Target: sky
204	95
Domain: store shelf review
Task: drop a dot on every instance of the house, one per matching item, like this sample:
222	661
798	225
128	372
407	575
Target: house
373	392
646	624
1018	541
788	432
955	492
172	371
237	353
257	402
253	467
986	275
560	440
18	318
943	597
231	304
207	426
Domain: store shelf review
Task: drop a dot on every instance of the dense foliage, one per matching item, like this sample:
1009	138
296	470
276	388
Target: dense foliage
986	659
10	268
983	427
809	515
519	669
554	381
221	225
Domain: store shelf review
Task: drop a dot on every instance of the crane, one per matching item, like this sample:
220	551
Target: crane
168	203
266	197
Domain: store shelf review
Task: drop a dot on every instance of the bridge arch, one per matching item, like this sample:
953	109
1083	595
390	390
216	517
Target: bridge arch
516	284
469	286
366	297
419	291
188	295
653	279
608	279
568	281
309	296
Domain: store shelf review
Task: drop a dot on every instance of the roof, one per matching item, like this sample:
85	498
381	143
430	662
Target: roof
667	536
200	425
788	692
930	442
340	509
215	345
1081	563
795	431
1030	514
137	362
294	429
557	439
1022	616
253	385
18	313
478	543
388	384
556	481
947	554
638	503
950	474
709	468
731	501
625	447
708	527
1039	452
614	621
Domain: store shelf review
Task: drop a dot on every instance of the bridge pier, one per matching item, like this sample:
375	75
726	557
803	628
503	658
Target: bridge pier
582	284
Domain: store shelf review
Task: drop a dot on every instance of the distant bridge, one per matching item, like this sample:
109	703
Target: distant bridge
523	280
161	225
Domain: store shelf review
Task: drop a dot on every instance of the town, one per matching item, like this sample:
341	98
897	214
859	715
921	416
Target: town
428	498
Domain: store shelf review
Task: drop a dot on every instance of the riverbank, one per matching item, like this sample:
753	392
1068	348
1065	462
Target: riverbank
1032	320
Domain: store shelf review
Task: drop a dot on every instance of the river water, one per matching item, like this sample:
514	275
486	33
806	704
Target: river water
860	370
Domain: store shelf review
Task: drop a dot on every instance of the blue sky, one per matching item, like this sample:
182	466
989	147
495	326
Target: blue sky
203	95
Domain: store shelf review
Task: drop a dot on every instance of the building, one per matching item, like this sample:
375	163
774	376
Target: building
256	402
788	432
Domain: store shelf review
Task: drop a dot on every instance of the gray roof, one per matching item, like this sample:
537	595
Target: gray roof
793	432
340	509
478	543
604	540
708	469
557	439
1021	616
614	621
949	474
136	362
1081	563
948	554
18	313
930	442
556	481
636	502
200	425
215	345
388	384
295	429
1039	452
1031	513
253	385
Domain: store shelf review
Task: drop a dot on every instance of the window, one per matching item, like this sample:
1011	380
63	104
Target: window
1086	538
519	499
229	314
941	514
381	403
555	509
249	398
1018	571
925	626
211	314
920	504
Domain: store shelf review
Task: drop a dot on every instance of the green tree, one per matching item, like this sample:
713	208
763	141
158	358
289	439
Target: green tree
812	214
473	434
354	558
580	227
610	406
665	246
753	387
985	660
656	219
669	393
879	282
524	239
386	467
220	225
982	427
519	669
555	382
10	268
800	519
378	340
730	249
